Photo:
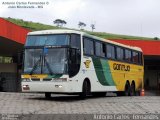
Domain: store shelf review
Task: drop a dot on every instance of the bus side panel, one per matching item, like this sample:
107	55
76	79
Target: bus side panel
103	72
121	72
104	76
97	71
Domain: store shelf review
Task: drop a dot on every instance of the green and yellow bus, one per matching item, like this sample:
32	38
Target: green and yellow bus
74	62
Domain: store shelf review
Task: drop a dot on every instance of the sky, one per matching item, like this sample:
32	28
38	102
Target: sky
128	17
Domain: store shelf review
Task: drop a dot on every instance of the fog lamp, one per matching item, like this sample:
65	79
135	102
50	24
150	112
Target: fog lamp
25	87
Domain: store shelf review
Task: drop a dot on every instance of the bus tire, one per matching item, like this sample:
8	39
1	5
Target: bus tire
47	95
120	93
138	93
132	89
85	89
127	89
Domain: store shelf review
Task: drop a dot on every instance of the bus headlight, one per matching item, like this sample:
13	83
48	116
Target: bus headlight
26	80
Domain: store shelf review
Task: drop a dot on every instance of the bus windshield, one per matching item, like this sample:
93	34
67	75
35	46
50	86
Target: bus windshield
52	54
42	40
52	62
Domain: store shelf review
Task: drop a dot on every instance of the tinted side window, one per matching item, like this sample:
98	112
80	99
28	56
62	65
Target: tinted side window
135	57
88	46
100	49
128	55
120	53
75	41
110	51
140	58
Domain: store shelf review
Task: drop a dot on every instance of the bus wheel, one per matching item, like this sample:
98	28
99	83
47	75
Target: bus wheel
85	89
132	89
48	95
120	93
127	89
138	93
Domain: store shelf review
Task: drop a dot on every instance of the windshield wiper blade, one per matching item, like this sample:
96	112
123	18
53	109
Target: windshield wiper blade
35	66
48	66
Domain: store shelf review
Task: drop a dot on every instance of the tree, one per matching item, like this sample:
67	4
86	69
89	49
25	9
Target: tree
93	27
81	25
63	22
59	22
156	38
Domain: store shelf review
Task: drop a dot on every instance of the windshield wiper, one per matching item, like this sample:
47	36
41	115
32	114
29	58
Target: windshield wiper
48	66
35	66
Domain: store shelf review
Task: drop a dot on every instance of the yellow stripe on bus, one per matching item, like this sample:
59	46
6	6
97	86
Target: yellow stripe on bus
34	76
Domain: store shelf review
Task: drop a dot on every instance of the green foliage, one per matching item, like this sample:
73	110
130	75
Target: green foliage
81	25
39	26
116	36
156	38
31	25
59	22
93	27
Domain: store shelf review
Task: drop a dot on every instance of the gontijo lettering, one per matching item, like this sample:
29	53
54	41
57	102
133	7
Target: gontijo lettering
121	67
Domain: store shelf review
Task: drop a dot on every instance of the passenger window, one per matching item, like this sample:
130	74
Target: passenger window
110	51
135	57
100	49
75	41
128	55
88	46
120	53
140	58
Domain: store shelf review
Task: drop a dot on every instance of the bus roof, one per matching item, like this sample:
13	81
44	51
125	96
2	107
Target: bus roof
61	31
57	31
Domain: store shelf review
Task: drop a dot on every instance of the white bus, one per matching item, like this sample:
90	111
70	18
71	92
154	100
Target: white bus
74	62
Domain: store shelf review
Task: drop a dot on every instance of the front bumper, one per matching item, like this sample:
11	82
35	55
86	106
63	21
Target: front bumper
47	87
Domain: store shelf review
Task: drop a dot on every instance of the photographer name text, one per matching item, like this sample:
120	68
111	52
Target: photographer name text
25	4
